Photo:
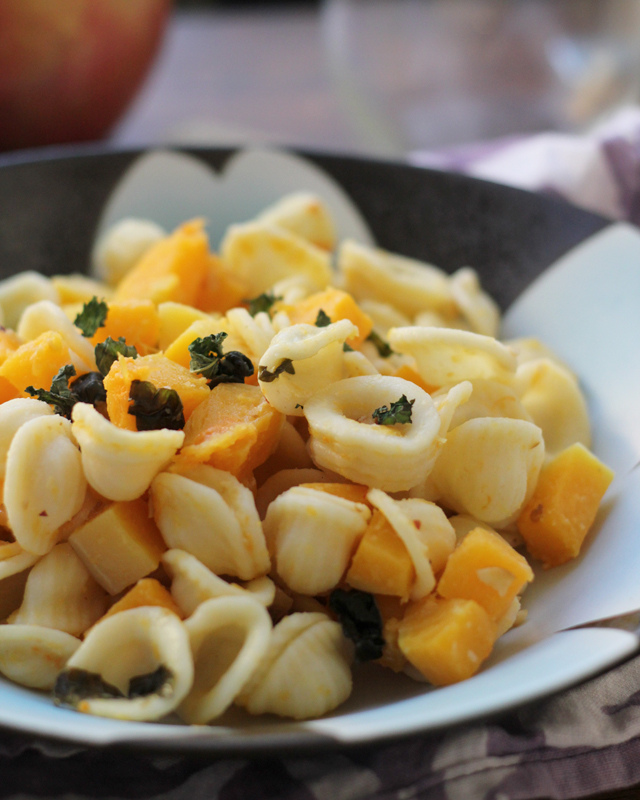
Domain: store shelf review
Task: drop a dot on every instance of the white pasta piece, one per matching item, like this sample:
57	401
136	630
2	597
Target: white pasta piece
357	364
431	319
488	399
308	655
260	255
383	315
285	479
211	515
301	360
408	532
448	401
290	291
446	355
60	593
149	644
13	414
20	291
311	536
304	214
45	485
121	246
510	617
529	348
255	333
120	464
290	453
46	316
489	467
434	529
552	396
192	583
345	440
229	637
476	306
409	285
32	655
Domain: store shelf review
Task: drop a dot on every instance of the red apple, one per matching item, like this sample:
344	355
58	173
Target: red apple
69	68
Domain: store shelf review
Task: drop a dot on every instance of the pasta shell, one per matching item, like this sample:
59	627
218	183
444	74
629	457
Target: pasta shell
60	593
192	583
487	399
446	355
314	357
476	306
141	655
45	484
390	457
13	414
255	333
281	481
229	637
211	515
260	255
47	316
304	214
306	671
312	536
433	529
120	247
120	464
408	532
20	291
33	656
489	467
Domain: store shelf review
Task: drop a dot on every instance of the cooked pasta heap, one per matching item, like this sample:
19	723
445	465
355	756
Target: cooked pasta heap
229	477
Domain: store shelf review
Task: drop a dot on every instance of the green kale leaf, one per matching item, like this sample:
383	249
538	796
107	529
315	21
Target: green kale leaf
92	317
155	408
398	412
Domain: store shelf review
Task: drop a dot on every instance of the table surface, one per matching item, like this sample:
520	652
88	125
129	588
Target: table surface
226	76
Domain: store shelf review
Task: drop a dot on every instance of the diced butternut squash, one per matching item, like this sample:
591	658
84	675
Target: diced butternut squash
235	429
119	545
79	288
381	563
337	305
136	321
557	518
174	319
446	640
162	373
350	491
222	290
9	343
178	350
175	268
36	363
410	374
146	592
485	568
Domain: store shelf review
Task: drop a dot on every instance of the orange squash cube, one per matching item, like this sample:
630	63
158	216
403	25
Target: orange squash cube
146	592
175	268
136	321
446	640
485	568
119	545
337	305
37	362
162	373
222	290
9	343
381	563
557	518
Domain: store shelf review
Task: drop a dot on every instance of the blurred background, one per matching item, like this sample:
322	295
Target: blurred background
377	77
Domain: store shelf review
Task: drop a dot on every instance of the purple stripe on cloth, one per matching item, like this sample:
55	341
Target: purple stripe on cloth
623	157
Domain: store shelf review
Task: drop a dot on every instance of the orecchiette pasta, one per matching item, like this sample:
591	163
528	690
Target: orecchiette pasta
302	467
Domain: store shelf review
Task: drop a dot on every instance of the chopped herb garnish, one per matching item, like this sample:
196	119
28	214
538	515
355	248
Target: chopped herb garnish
398	412
383	348
361	621
263	302
151	683
108	351
346	348
286	365
155	408
89	388
60	395
92	317
74	685
323	319
209	360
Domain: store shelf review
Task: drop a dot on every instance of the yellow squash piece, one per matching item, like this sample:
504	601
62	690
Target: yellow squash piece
136	321
555	522
446	640
381	563
162	373
119	545
355	492
234	429
174	319
485	568
175	268
337	305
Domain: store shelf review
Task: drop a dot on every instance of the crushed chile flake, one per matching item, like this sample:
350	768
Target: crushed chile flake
361	621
